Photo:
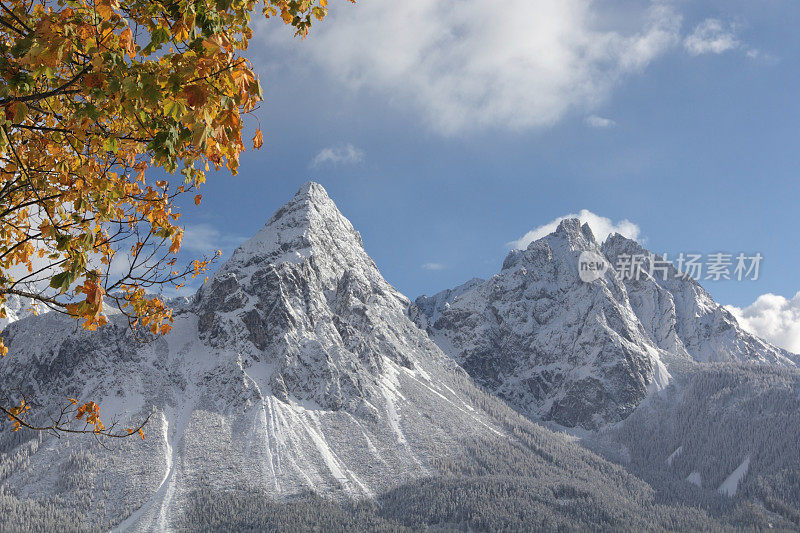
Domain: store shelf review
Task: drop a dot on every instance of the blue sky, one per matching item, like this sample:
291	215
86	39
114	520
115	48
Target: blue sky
451	130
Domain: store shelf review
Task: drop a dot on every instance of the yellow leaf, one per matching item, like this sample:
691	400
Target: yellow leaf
105	8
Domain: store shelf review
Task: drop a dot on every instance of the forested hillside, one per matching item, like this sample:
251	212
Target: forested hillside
720	433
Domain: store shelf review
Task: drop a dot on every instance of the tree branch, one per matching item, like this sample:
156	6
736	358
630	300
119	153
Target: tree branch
63	89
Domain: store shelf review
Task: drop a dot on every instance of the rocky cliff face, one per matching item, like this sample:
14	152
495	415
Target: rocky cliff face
682	318
554	346
304	297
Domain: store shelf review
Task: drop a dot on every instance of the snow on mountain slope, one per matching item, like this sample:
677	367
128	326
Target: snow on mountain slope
555	347
683	319
294	368
18	307
731	483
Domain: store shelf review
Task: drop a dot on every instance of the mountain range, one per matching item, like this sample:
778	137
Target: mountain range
298	388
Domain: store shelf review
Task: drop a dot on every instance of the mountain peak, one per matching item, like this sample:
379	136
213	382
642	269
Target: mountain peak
311	201
556	347
312	191
569	237
575	232
308	225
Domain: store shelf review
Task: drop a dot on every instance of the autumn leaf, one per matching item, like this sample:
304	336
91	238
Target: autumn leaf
196	95
258	140
105	8
17	111
176	242
93	81
126	42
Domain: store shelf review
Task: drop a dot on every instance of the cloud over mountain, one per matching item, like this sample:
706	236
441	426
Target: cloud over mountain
469	65
602	227
338	155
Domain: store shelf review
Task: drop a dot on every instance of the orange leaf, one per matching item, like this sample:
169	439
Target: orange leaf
258	140
126	42
197	199
105	8
176	242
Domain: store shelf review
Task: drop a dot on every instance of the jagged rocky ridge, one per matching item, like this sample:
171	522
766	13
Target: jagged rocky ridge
682	318
294	369
581	354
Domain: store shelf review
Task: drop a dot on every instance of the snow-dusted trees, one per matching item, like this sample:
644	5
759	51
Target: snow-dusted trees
713	420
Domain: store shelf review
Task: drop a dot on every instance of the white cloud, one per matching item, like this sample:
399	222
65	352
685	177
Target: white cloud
711	37
762	57
602	227
347	154
594	121
434	266
773	318
471	64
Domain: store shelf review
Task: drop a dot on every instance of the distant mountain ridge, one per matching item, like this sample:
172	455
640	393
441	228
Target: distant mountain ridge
582	354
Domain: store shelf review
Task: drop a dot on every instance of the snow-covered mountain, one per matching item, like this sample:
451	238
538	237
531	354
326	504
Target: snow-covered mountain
296	368
581	353
555	347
